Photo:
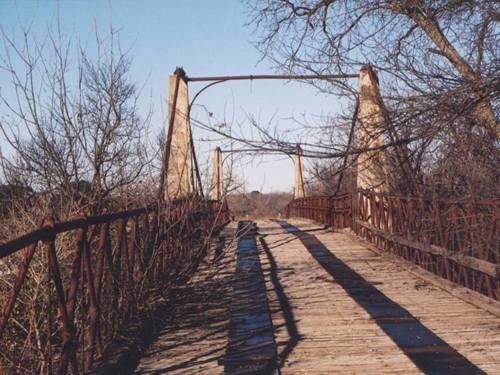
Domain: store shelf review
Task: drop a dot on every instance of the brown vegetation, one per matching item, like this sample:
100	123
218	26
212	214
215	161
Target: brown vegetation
75	147
438	69
257	205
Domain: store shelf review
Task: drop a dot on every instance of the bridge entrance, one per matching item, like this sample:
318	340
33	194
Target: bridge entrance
366	139
360	299
364	282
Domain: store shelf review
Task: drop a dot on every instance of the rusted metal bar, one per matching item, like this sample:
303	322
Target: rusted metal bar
273	76
332	211
101	254
16	288
68	330
45	233
93	308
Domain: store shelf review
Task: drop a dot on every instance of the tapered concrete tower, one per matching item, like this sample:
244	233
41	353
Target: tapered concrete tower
216	186
371	124
179	161
298	189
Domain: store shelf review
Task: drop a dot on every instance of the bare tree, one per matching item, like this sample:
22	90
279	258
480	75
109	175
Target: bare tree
71	120
73	144
438	63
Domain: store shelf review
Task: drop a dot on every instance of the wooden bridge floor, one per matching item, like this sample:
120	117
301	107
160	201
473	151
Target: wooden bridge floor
336	307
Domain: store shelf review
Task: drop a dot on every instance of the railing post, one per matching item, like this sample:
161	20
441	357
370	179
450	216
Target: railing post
216	189
330	212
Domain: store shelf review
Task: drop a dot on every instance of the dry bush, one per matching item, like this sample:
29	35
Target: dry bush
76	145
258	206
438	69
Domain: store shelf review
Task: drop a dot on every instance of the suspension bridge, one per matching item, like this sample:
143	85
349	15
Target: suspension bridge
363	282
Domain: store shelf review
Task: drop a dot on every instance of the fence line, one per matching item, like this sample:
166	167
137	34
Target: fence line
457	240
335	212
81	281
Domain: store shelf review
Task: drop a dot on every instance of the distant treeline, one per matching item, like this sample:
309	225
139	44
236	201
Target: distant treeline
258	205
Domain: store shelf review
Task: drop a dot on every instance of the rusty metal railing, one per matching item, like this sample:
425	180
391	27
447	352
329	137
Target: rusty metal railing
457	240
78	283
333	211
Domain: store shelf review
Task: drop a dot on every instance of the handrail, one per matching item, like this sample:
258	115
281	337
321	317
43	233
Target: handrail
46	232
98	279
455	239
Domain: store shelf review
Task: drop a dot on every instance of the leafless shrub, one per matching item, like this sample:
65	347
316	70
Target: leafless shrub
71	121
76	145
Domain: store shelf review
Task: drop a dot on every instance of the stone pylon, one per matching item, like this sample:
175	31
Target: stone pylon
179	162
298	186
216	186
371	166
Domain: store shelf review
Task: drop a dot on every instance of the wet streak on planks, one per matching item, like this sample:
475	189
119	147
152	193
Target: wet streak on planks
427	350
251	346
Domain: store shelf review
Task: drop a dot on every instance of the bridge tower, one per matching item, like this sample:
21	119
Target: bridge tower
371	166
298	187
216	186
178	158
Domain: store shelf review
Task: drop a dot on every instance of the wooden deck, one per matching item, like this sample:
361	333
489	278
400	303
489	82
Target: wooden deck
195	336
321	320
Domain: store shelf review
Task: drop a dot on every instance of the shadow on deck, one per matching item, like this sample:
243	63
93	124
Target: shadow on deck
238	314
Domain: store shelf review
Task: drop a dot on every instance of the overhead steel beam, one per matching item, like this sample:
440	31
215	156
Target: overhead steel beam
272	76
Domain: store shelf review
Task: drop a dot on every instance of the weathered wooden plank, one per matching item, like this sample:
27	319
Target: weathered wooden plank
319	335
318	327
335	335
465	294
194	337
426	349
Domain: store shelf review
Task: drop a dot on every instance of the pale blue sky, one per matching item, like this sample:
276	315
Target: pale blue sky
206	38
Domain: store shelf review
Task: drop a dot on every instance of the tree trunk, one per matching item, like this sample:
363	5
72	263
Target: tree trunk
415	10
